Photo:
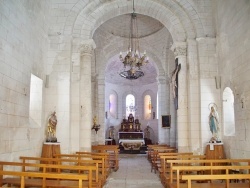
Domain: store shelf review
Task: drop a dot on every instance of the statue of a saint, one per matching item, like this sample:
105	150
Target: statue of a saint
51	131
214	124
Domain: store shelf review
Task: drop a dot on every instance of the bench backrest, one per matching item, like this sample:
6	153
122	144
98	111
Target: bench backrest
226	177
44	173
67	162
204	164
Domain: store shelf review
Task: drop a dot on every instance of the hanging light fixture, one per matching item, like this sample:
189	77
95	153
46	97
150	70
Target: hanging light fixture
133	61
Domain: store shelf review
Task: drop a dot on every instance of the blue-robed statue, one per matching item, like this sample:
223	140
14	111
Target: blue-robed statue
214	124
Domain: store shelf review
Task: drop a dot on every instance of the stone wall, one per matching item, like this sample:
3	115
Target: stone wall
23	48
233	48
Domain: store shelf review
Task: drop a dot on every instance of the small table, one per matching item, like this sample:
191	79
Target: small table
110	141
215	151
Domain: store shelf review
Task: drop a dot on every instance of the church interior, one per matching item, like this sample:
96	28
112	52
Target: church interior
130	74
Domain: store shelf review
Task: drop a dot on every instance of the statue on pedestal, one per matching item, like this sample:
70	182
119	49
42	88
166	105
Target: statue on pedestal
51	129
214	124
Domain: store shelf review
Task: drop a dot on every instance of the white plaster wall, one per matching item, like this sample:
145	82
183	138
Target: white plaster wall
208	64
23	47
233	38
58	68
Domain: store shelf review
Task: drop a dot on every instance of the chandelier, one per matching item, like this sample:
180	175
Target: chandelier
133	60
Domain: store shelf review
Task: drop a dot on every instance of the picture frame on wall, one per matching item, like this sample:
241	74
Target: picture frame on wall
166	121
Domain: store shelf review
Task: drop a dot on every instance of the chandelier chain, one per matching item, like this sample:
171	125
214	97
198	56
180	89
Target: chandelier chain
133	61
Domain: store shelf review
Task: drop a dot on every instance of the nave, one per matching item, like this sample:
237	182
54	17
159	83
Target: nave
134	172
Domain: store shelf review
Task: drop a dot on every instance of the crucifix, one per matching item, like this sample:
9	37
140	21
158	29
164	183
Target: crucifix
174	80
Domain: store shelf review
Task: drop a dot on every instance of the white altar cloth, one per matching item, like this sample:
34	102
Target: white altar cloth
132	141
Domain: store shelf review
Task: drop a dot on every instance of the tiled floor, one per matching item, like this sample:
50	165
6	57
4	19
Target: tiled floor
134	172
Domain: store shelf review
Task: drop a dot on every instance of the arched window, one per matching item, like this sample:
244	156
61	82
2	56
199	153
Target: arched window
147	107
228	112
130	105
112	105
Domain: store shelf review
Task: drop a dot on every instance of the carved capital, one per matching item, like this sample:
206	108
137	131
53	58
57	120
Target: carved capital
161	79
87	47
179	49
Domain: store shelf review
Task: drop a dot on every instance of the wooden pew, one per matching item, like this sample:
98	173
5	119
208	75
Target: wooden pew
103	156
161	164
166	174
196	170
113	151
96	178
150	149
169	176
154	150
87	159
158	158
44	178
155	156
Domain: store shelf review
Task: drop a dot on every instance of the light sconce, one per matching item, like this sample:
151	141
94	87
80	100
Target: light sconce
95	126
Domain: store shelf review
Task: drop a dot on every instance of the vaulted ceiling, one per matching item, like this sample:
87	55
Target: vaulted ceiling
161	23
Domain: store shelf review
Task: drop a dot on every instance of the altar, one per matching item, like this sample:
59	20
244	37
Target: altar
131	137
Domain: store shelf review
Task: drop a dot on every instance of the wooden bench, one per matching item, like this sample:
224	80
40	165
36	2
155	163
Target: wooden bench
155	160
172	164
83	157
195	171
103	156
96	178
44	178
150	149
165	171
113	151
160	163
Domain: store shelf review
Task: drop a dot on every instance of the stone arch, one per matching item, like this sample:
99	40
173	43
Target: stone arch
180	18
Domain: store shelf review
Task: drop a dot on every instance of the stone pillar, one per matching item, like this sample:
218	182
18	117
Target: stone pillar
86	95
180	52
100	99
163	133
194	97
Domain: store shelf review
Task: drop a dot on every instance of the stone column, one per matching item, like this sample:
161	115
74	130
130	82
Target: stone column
100	99
194	107
163	136
85	95
180	52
